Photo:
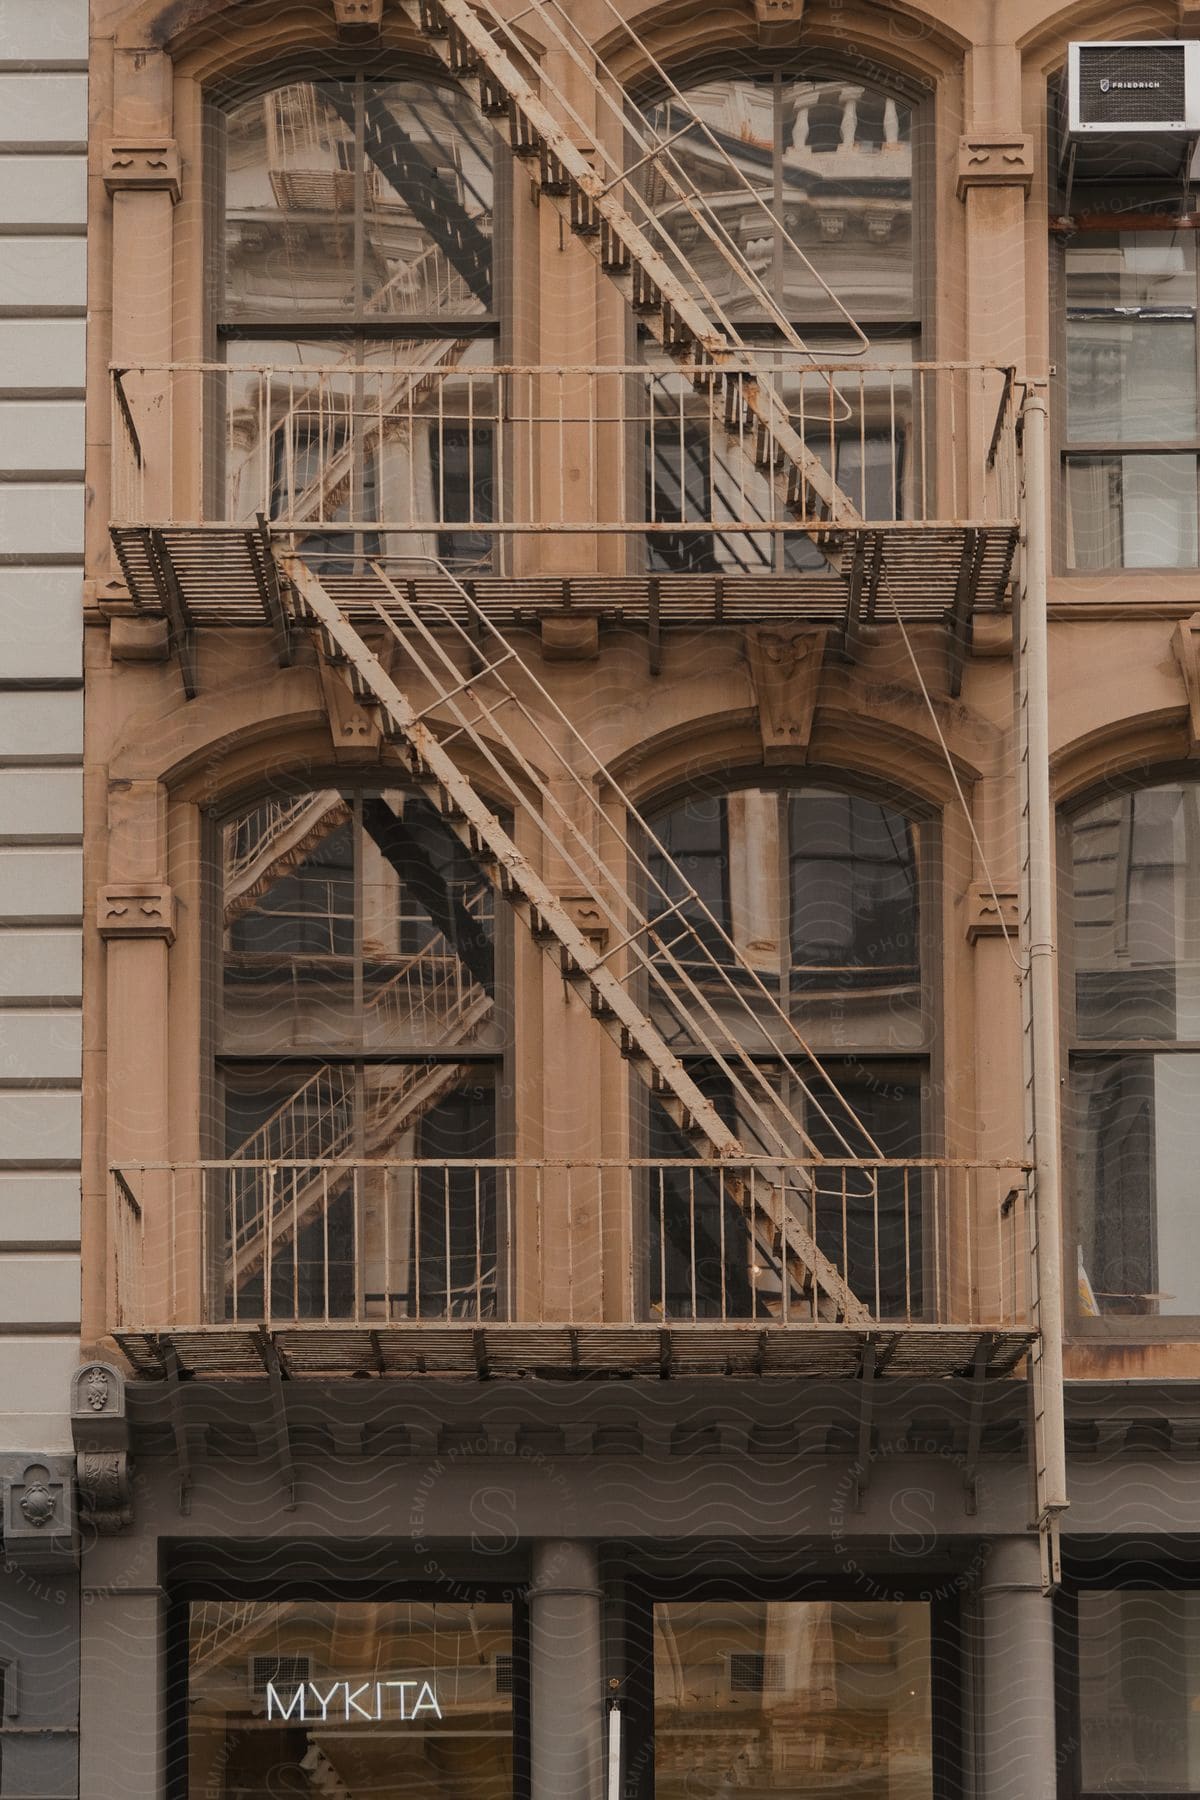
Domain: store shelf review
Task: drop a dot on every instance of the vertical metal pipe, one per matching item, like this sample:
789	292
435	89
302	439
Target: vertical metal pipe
1042	961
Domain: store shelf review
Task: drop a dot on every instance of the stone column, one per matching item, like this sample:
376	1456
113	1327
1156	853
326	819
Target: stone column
1017	1643
566	1694
122	1700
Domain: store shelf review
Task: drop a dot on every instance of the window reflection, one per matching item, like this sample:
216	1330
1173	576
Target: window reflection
315	226
1139	1674
385	1700
1136	945
792	1698
817	891
1131	381
832	159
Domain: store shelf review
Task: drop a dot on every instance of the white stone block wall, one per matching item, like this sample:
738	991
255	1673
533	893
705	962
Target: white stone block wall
43	169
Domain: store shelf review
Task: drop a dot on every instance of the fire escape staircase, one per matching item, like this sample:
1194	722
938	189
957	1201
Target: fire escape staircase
932	572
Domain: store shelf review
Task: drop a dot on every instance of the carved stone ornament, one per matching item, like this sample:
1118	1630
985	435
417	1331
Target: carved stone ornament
778	21
587	917
984	919
142	165
39	1516
97	1390
1185	644
1004	159
357	19
785	669
105	1490
136	909
38	1504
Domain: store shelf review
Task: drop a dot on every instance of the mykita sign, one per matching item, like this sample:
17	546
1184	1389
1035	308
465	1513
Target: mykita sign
350	1703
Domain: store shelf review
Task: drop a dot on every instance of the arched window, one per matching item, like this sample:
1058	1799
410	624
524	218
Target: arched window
352	280
359	1021
804	173
820	893
1135	1049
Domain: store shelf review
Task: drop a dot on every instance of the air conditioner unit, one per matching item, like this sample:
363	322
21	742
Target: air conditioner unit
1132	110
288	1672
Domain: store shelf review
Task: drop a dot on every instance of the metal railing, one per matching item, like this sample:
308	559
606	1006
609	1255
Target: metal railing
536	1242
434	455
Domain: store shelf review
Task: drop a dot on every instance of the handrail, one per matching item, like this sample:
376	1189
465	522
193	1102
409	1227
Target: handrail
1015	1163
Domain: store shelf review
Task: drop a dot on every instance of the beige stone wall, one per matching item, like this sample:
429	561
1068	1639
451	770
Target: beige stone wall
156	764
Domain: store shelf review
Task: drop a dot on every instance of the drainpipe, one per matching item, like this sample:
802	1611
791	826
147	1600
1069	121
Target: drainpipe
1042	1004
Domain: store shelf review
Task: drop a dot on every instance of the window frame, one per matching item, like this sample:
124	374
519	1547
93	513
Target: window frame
1108	1566
358	332
1112	1327
647	1587
500	1058
1062	447
227	1583
922	1067
914	333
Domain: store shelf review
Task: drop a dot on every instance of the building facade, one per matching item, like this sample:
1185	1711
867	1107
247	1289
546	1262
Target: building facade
640	577
43	311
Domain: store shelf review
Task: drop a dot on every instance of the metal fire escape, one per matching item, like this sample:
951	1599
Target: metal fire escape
463	688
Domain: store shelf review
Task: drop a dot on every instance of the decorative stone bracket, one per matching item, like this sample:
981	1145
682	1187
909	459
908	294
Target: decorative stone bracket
785	672
1185	643
100	1430
984	918
587	917
136	909
142	165
1004	159
778	22
358	19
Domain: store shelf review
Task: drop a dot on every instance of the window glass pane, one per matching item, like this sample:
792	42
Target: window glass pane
402	433
303	1213
1131	512
1136	899
818	892
386	1699
290	198
855	946
1131	337
355	925
828	161
1136	1137
1139	1673
702	1258
792	1697
343	200
428	212
288	917
847	200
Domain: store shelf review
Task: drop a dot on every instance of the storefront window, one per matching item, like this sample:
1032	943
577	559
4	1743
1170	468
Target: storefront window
1139	1692
792	1697
391	1700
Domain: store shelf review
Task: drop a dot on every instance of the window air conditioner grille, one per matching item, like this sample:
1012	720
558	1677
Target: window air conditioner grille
750	1672
1131	84
284	1671
503	1666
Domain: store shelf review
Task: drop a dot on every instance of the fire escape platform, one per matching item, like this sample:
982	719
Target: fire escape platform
582	1352
213	575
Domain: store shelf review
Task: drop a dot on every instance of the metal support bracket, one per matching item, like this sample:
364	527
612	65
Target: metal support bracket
179	1430
866	1408
266	574
179	623
273	1364
983	1355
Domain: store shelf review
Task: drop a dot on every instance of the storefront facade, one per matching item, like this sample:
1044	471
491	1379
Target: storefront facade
526	1357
